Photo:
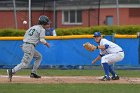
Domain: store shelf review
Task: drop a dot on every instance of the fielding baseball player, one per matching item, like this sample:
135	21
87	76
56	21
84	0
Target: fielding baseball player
109	53
50	31
32	37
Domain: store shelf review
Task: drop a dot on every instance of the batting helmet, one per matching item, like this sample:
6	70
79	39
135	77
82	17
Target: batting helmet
43	20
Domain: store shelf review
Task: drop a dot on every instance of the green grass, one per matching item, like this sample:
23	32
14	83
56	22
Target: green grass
45	72
69	88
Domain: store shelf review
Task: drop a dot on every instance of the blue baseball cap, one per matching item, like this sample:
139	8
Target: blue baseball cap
98	34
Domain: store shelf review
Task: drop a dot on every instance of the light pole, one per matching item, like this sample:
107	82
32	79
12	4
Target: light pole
15	15
98	12
54	13
118	14
29	13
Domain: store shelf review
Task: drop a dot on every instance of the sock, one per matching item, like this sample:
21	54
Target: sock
111	71
106	69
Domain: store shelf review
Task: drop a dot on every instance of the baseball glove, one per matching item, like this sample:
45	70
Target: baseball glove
89	46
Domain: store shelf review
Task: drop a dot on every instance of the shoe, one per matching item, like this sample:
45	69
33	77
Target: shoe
33	75
105	78
10	74
115	78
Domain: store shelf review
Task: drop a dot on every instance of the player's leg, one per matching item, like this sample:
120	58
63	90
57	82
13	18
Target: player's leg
28	50
38	58
113	58
28	55
106	68
106	71
111	70
116	57
114	75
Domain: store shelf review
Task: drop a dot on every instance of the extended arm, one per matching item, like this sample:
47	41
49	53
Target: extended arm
96	59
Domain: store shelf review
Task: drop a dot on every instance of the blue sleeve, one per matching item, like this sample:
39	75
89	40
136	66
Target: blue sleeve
106	46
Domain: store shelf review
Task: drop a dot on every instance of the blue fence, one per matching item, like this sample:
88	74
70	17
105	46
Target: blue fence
68	52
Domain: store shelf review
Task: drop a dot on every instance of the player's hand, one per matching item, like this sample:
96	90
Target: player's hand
93	62
47	44
89	47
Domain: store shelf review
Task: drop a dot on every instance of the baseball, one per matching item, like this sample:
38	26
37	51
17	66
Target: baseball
24	22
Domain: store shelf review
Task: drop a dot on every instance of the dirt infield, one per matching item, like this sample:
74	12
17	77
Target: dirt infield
67	79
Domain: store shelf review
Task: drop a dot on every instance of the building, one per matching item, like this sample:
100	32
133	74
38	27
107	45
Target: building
70	13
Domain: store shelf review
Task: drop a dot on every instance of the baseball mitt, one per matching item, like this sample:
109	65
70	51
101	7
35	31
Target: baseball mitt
89	46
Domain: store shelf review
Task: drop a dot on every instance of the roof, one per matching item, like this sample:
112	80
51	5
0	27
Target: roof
65	3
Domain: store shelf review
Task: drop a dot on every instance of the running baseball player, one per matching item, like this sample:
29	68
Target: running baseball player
32	37
110	53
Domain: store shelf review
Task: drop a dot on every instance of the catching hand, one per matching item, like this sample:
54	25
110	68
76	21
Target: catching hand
89	47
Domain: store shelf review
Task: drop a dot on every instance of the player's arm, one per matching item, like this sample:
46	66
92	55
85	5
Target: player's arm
47	44
42	39
103	46
102	53
96	59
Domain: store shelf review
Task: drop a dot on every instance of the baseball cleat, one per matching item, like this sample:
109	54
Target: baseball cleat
115	78
33	75
105	78
9	73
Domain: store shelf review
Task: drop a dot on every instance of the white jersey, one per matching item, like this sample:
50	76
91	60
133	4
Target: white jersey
112	47
34	34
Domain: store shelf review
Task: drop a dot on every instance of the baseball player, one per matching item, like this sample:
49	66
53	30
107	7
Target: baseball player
50	31
32	37
109	53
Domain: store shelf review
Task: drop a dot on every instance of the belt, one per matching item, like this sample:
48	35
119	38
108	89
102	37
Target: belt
29	43
119	51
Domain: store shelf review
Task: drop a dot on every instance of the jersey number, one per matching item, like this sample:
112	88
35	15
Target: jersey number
31	32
